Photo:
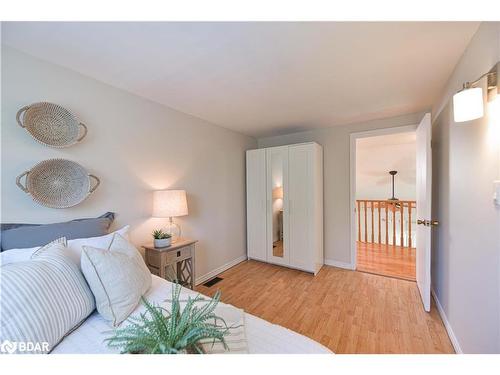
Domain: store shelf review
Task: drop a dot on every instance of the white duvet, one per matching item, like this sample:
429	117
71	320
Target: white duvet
262	336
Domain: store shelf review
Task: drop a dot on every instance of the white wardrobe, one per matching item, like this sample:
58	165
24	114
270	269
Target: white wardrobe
285	205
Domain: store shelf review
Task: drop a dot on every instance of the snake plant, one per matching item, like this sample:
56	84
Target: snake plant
159	234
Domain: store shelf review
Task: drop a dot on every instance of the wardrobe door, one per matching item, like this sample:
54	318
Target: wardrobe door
301	205
256	205
277	209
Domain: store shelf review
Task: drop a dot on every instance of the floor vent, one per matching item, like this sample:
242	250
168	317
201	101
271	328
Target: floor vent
213	281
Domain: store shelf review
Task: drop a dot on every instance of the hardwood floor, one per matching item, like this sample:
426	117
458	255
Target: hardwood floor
347	311
393	261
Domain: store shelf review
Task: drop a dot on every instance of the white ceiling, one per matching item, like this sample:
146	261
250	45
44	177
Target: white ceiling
406	138
376	156
261	78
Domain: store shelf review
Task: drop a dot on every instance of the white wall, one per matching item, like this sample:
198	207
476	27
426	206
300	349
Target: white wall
134	146
466	245
336	154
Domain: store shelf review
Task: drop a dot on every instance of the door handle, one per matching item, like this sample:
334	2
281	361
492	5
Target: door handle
428	223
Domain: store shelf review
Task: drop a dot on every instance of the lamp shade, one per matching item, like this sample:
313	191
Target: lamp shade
169	203
278	192
468	104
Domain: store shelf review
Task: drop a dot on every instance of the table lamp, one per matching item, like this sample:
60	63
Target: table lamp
170	203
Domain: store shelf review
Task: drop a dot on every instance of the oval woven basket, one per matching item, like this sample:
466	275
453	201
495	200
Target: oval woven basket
58	183
51	124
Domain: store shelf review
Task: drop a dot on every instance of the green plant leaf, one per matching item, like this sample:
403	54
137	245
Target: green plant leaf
161	331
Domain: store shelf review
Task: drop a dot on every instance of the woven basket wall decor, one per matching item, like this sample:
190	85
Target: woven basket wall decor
58	183
51	124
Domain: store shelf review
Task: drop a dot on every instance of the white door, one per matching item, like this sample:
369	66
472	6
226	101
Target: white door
256	205
424	186
300	204
277	205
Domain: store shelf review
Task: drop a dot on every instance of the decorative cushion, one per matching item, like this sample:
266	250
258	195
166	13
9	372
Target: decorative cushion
42	299
73	249
15	236
17	255
118	277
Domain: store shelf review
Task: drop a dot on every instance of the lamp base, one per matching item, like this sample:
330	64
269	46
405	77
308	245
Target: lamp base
174	230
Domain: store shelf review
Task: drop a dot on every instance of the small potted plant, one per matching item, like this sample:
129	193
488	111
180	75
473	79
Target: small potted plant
161	239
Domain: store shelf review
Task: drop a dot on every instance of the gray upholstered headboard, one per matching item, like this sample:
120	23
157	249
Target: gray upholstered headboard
19	235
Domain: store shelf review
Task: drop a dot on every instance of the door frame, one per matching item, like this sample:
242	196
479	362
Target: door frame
352	166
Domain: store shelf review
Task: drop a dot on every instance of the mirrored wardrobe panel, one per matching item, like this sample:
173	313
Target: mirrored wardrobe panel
277	172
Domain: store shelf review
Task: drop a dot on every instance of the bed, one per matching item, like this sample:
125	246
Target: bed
20	242
262	336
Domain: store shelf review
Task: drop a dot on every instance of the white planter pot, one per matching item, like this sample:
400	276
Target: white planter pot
163	243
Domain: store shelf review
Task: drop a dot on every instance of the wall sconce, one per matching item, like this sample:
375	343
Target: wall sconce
468	102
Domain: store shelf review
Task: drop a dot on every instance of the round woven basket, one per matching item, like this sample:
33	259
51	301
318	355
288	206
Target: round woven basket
51	124
58	183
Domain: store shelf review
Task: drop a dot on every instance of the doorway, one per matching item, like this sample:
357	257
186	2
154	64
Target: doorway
385	202
423	234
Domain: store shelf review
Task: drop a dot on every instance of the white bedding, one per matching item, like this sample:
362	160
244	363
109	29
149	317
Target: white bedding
263	337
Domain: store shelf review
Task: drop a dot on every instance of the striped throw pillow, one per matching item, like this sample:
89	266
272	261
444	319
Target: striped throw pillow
42	300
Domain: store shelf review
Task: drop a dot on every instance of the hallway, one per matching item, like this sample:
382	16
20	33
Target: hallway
386	260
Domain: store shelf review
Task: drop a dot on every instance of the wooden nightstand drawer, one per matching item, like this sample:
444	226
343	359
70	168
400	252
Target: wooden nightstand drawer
173	263
180	254
153	259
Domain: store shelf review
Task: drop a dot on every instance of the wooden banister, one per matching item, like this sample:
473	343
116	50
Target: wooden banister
386	224
401	210
402	239
393	208
366	225
379	231
359	220
373	234
409	226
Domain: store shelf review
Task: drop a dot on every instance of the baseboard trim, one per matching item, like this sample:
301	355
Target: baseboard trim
336	263
218	270
447	325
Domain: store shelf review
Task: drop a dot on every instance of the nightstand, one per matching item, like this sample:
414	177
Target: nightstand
173	263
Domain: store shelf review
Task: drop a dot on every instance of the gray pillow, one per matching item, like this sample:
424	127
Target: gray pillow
18	236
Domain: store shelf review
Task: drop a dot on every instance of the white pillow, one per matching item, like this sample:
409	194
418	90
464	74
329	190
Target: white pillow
117	276
42	299
16	255
74	248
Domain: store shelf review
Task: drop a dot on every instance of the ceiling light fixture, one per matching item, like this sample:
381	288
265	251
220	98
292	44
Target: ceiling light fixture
393	198
468	102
